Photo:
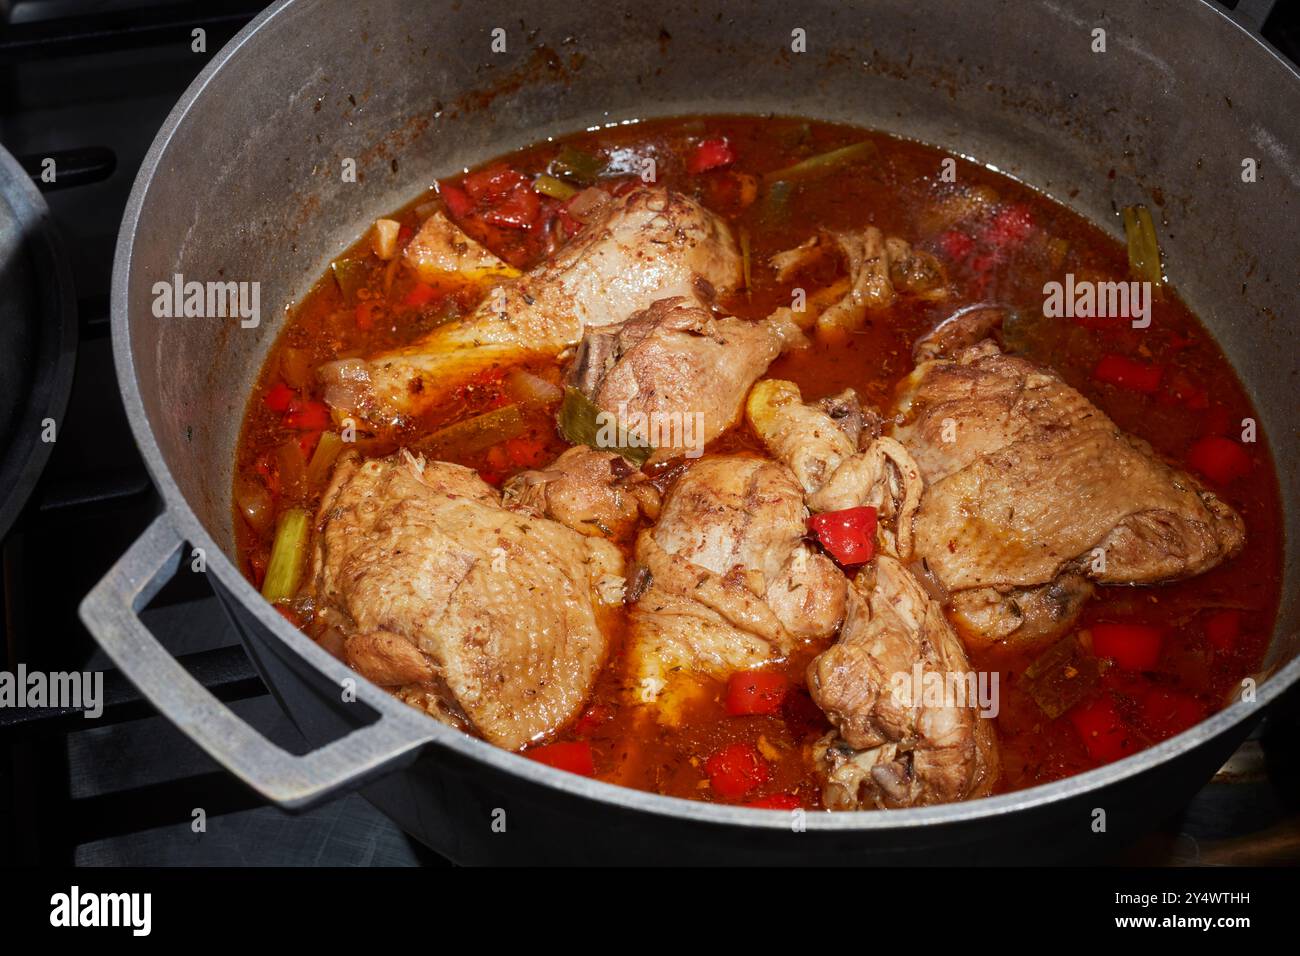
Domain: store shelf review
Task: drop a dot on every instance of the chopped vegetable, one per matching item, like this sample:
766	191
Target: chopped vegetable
710	154
849	535
296	367
576	166
1061	676
383	238
555	188
1103	733
735	770
756	692
531	390
778	801
307	416
519	209
1134	647
1222	629
776	201
493	182
574	756
1220	459
746	267
1010	227
1143	247
288	554
1128	373
327	449
475	434
278	397
255	503
825	161
458	202
580	424
956	245
351	276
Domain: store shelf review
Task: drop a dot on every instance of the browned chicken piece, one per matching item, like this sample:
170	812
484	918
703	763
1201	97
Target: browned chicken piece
909	729
647	244
596	493
488	618
880	269
838	463
675	375
724	581
1032	494
440	249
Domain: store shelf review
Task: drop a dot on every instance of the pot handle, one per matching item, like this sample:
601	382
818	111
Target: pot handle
112	614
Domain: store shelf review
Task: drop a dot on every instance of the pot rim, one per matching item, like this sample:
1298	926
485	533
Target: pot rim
422	727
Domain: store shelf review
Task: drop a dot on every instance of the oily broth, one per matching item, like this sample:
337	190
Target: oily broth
899	190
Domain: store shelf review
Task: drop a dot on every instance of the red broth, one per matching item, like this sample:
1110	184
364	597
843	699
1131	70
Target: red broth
998	240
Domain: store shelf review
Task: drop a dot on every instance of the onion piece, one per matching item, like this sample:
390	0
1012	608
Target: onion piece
383	238
255	503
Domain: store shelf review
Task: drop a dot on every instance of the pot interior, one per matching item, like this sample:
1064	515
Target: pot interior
250	183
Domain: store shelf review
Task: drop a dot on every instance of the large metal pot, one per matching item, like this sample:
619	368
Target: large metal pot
244	183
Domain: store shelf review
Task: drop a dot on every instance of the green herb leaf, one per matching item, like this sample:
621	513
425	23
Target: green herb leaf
580	424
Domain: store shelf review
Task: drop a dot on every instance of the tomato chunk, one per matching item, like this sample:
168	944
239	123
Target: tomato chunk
778	801
1128	373
849	535
574	756
735	770
518	210
458	202
1103	733
710	154
1134	647
492	183
756	692
1222	460
1222	629
278	397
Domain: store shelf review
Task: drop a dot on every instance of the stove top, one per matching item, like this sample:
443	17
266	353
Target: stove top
90	82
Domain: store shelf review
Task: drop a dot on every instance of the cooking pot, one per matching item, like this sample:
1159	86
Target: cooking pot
248	181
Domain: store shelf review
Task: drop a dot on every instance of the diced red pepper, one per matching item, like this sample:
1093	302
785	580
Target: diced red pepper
1134	647
710	154
1127	373
278	397
518	210
573	756
1222	628
1103	733
735	770
756	692
1220	459
1167	712
458	202
492	183
420	294
1010	227
778	801
956	245
307	416
849	535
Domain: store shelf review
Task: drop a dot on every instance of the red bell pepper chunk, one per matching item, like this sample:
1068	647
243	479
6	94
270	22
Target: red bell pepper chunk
1222	628
308	416
1168	712
458	202
710	154
1134	647
1103	733
778	801
1127	373
518	210
849	535
1220	459
735	770
492	183
420	294
278	397
574	756
756	692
